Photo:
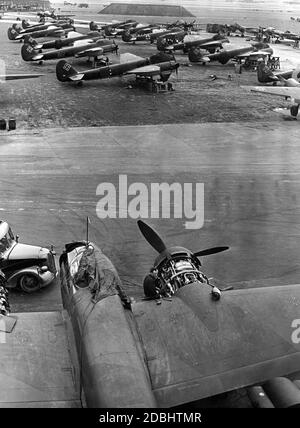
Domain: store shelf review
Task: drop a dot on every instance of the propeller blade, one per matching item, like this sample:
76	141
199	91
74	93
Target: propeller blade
151	236
209	251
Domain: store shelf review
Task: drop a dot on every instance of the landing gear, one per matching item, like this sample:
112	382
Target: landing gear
294	110
40	62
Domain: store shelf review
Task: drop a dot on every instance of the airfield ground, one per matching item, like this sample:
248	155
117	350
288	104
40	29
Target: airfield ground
46	102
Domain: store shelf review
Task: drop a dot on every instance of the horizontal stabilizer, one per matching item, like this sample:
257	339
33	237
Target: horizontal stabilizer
77	77
38	57
128	57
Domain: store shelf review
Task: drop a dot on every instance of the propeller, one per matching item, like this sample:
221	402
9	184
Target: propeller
157	243
209	251
151	236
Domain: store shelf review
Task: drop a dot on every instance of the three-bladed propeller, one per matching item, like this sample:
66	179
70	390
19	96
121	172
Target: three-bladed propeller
157	243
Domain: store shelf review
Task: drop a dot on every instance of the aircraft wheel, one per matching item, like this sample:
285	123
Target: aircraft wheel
294	110
79	84
29	283
40	62
154	87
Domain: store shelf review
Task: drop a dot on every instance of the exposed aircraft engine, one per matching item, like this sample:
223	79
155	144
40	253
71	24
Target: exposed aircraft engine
177	273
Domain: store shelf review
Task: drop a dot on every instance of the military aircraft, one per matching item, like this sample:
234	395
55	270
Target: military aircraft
82	48
285	78
195	54
139	34
148	353
71	39
289	93
189	42
163	41
117	29
54	30
156	66
163	33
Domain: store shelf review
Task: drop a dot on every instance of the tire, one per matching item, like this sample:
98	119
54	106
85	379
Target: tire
29	283
294	110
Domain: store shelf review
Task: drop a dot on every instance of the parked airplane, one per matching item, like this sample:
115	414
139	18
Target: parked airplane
140	34
116	352
195	54
190	42
54	30
289	93
163	32
286	78
156	66
72	38
82	48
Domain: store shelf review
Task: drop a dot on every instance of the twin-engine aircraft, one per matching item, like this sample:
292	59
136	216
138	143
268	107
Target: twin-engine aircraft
139	34
283	78
156	66
195	54
81	48
189	42
72	38
289	93
289	85
46	30
149	353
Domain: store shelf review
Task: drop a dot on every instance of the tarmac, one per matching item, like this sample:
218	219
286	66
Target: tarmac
250	172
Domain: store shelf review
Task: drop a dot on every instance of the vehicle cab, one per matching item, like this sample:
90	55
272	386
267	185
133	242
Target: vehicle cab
28	267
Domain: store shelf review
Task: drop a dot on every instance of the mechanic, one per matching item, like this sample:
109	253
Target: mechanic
152	284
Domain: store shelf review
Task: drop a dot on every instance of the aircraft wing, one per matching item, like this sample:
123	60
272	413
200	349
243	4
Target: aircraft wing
148	70
90	52
38	363
19	76
282	91
253	53
196	347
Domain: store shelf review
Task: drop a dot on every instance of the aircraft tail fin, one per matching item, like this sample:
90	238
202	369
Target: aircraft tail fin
28	52
30	40
195	55
12	33
264	74
65	72
296	74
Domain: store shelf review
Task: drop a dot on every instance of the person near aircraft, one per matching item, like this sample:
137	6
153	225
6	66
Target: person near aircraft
152	284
